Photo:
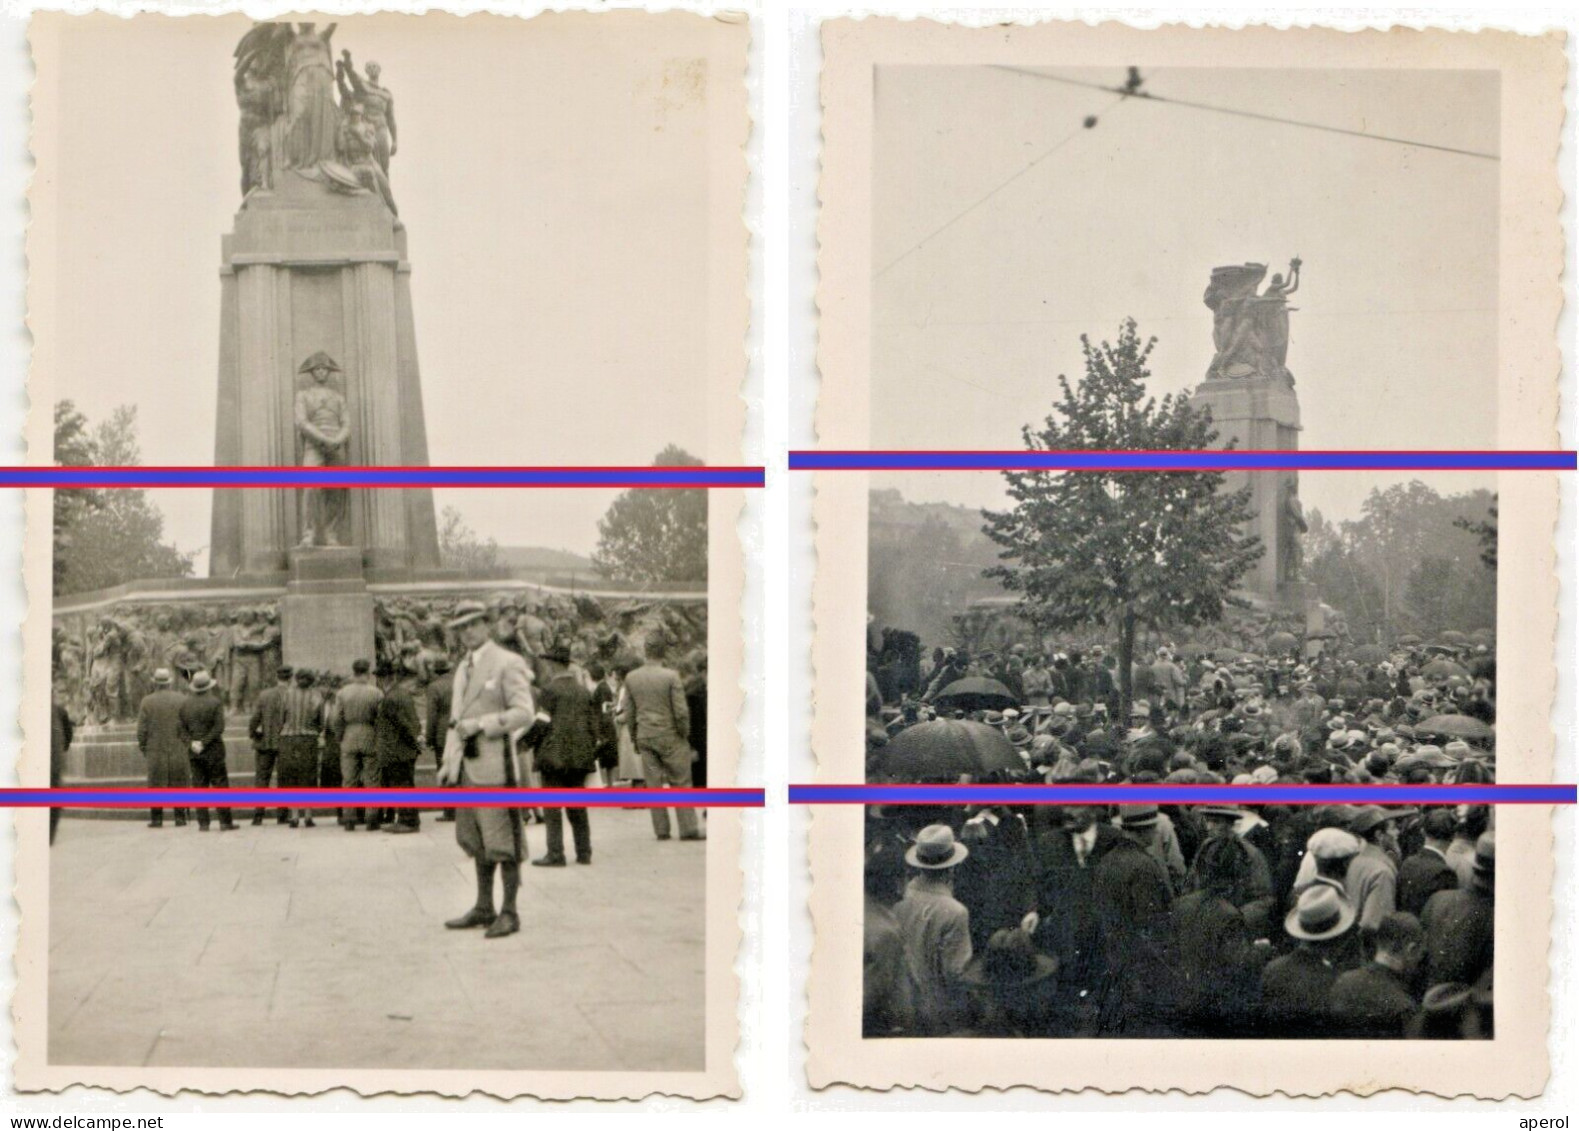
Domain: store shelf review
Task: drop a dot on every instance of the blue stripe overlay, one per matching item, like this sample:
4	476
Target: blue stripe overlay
467	798
1181	794
1181	461
108	477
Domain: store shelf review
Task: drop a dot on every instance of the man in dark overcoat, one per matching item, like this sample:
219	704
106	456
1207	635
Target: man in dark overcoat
159	742
567	753
268	720
397	738
436	702
1427	871
202	719
1065	855
1132	897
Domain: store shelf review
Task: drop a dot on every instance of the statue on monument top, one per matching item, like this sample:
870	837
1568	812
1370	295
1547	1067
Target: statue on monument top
378	105
324	424
1250	330
286	81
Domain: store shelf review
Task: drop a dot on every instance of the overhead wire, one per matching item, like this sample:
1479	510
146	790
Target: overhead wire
968	209
1162	99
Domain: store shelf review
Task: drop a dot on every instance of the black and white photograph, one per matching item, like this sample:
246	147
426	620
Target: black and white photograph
1156	257
1180	626
266	225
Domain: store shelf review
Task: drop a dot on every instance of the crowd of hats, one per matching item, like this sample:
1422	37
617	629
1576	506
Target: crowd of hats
1420	715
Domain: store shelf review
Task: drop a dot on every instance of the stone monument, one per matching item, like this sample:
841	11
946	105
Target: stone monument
1250	393
317	359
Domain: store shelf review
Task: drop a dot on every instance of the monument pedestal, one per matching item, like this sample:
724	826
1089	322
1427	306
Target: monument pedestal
308	269
326	615
1261	414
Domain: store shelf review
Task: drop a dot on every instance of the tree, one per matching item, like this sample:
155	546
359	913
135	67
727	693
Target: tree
1486	531
651	536
106	537
1413	561
461	548
1128	548
73	448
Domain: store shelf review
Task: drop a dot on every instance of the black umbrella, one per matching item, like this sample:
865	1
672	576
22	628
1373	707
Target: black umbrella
976	693
943	749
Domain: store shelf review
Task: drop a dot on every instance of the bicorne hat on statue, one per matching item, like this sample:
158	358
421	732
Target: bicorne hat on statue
319	360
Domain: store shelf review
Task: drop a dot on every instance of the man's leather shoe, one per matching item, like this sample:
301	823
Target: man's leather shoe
476	917
587	859
257	818
694	836
508	923
549	861
402	829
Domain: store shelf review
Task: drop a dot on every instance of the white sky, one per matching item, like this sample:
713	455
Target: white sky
1394	335
556	322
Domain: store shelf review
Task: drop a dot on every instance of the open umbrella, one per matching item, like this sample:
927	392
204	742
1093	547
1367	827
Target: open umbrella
1441	669
943	749
1280	642
1368	653
1191	648
1455	726
1227	655
976	693
1453	637
1408	638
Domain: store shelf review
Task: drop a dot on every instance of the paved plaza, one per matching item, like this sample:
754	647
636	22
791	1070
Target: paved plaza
274	947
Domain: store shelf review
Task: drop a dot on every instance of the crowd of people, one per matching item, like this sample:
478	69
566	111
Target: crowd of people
622	719
1077	920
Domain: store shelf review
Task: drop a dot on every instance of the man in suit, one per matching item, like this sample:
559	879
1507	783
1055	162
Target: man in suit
268	718
436	704
397	733
1427	872
567	753
492	699
355	705
655	703
202	719
1065	856
159	740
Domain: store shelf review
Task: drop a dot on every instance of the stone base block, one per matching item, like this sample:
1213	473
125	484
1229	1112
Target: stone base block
325	632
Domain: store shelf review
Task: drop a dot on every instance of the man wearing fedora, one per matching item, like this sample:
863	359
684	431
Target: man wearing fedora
567	753
202	729
655	704
397	733
1297	987
1459	924
492	699
936	931
159	740
1131	898
1066	857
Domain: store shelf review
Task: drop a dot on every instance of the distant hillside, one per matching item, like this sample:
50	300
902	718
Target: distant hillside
543	558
